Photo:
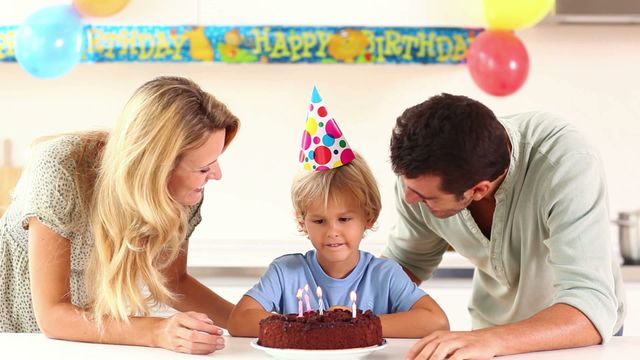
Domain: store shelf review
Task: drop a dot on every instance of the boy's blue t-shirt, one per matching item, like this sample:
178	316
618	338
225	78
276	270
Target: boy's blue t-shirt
380	284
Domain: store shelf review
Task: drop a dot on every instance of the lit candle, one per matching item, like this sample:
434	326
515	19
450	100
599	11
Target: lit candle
306	296
299	296
354	297
320	302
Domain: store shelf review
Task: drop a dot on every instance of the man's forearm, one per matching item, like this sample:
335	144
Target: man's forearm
560	326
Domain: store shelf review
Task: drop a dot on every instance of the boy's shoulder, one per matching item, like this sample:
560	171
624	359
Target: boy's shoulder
387	271
290	260
380	263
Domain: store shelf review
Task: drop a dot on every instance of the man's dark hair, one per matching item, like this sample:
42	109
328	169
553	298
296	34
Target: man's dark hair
451	136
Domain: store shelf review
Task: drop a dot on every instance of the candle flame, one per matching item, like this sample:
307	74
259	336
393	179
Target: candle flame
306	287
353	296
299	294
319	291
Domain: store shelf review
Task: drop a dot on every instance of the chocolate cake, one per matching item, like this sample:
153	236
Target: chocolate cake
335	329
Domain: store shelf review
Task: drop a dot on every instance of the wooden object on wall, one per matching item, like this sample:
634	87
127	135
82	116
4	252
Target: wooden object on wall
9	176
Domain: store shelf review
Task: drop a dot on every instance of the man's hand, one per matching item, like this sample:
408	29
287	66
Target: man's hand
455	345
559	326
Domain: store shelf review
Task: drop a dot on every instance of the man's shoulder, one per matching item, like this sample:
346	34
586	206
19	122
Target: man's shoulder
536	122
550	136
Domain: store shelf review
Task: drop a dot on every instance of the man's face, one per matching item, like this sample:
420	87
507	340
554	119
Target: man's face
428	189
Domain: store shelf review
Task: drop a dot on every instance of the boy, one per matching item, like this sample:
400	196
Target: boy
335	202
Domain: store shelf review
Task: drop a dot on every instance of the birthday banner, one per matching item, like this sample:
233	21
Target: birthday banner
267	44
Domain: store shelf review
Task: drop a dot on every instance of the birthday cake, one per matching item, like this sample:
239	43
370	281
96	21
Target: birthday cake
334	329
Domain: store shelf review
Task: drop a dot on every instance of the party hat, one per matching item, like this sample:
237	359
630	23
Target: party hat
324	146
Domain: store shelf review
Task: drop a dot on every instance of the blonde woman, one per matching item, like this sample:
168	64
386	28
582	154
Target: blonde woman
99	226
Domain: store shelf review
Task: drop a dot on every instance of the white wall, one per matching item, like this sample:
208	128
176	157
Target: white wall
589	74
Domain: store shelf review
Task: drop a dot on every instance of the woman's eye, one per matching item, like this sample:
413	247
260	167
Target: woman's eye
317	221
345	219
204	171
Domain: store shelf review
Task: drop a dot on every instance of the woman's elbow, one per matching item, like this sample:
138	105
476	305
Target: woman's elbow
51	328
56	321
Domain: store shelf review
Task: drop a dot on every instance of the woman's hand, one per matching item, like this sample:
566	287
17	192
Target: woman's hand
189	332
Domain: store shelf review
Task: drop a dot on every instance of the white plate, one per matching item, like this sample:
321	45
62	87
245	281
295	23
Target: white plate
356	353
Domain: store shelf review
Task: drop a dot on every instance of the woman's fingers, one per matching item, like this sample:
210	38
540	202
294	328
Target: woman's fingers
192	333
197	321
195	348
197	342
199	336
199	316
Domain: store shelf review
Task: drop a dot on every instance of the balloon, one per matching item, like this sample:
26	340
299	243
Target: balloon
515	14
49	43
498	62
99	8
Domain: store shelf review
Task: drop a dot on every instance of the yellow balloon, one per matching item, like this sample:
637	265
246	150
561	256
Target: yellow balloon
99	8
515	14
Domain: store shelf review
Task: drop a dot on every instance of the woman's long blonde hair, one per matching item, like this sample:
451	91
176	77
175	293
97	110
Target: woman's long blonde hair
138	226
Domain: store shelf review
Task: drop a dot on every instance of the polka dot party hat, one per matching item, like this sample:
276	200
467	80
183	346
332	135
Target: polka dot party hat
323	144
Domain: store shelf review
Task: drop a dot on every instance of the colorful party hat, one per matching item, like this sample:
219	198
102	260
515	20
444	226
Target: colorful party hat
323	144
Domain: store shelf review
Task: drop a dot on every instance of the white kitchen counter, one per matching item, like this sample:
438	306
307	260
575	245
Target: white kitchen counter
37	346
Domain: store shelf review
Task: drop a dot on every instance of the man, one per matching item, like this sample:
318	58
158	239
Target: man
524	199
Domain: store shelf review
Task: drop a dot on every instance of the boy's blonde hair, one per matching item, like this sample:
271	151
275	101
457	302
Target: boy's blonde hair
354	178
138	226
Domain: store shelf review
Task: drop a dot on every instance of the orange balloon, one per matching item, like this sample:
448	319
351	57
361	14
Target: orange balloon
99	8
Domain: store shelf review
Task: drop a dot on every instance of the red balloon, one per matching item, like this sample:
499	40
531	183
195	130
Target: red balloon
498	62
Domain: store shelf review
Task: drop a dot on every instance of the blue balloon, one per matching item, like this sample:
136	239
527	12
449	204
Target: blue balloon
50	42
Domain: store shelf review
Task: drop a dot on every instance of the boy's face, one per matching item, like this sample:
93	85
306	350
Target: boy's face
336	232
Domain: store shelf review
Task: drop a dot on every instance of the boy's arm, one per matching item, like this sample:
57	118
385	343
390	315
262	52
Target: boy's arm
245	317
424	317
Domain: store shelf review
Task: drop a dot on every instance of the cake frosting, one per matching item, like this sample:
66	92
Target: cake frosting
334	329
